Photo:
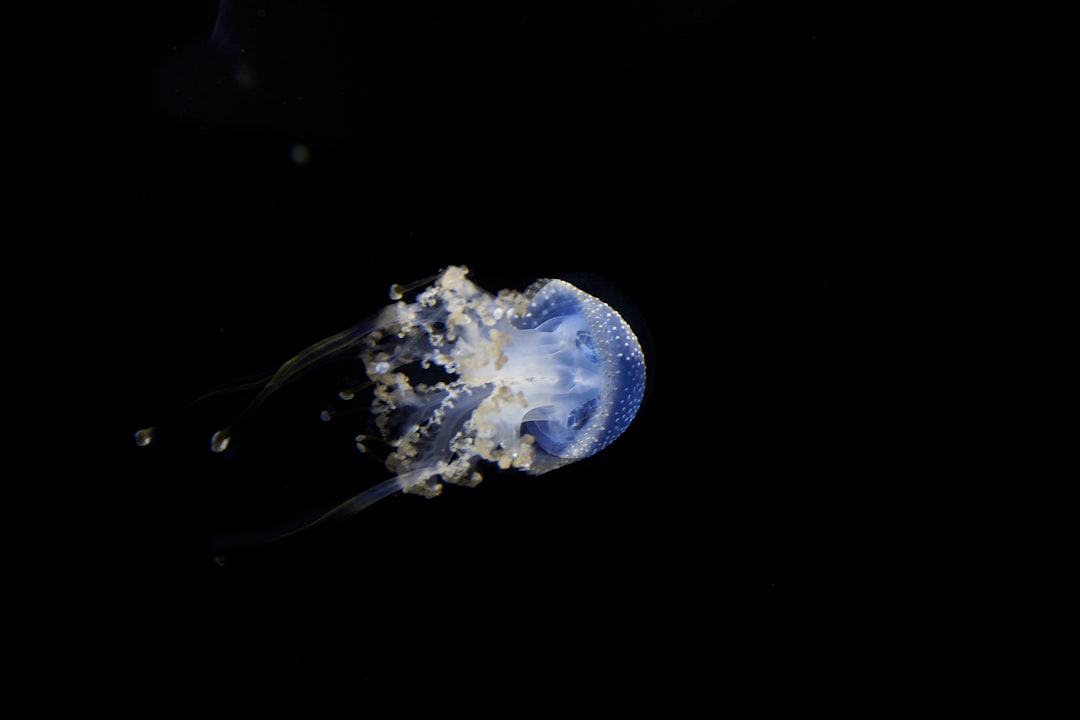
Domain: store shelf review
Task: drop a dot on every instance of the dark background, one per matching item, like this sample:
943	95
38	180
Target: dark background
794	196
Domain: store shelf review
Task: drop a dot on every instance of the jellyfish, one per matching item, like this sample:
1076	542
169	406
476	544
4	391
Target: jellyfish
525	381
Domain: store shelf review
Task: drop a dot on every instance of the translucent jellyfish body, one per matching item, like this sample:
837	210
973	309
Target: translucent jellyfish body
529	380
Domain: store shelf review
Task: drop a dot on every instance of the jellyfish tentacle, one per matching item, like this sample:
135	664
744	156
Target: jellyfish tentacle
417	481
147	435
293	368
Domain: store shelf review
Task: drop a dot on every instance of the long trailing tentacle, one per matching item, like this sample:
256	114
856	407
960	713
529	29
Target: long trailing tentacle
267	383
295	367
224	545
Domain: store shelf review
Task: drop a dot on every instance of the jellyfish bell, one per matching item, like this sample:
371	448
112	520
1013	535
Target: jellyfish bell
527	381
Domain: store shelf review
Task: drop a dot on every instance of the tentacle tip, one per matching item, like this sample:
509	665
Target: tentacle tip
219	442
